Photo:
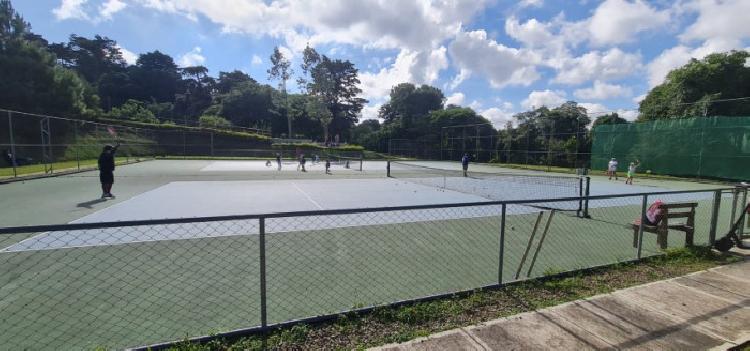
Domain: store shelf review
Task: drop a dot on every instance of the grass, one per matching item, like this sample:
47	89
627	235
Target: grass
154	291
61	166
398	324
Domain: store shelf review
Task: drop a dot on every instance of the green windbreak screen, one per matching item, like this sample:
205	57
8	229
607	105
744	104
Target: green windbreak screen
710	147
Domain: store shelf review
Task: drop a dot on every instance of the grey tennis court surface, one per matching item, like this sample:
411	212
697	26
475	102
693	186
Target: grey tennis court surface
210	195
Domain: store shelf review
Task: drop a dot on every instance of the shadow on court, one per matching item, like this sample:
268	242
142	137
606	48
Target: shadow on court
91	203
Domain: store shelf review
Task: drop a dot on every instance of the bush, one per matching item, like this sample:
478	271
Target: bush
135	111
214	121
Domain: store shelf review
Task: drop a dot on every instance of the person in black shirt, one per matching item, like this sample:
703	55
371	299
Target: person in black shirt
278	161
106	169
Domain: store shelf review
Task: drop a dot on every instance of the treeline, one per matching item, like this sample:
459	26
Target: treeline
89	78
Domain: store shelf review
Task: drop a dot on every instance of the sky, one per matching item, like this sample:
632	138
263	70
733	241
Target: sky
498	57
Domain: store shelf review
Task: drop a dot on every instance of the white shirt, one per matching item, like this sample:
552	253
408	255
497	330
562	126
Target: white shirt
612	166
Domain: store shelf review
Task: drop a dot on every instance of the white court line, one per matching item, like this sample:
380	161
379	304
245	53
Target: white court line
308	196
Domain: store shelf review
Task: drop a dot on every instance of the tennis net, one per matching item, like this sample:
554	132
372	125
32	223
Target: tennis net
498	186
353	163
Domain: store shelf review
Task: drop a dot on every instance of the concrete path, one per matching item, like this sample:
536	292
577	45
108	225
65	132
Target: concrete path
703	310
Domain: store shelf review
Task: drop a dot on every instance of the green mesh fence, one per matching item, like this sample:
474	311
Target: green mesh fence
704	147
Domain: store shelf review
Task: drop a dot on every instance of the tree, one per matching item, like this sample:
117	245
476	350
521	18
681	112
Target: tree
612	118
248	104
281	70
91	58
690	91
195	92
318	110
228	80
31	81
310	59
336	83
156	76
409	107
134	110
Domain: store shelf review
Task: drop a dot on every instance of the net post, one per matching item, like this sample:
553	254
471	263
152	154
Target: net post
388	168
741	227
502	245
714	217
586	198
644	207
12	145
735	199
262	255
361	161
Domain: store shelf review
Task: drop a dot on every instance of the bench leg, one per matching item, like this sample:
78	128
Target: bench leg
662	240
689	238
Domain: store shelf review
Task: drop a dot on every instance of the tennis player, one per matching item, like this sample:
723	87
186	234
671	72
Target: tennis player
612	168
328	166
106	169
278	161
465	164
631	171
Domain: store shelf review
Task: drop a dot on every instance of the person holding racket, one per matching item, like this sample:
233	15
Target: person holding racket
107	166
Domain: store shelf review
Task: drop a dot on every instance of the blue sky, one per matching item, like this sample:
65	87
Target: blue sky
499	57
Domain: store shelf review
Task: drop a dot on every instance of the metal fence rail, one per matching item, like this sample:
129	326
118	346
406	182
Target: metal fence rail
129	283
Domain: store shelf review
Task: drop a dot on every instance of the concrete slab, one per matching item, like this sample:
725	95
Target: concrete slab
720	285
536	331
737	270
628	326
455	339
692	307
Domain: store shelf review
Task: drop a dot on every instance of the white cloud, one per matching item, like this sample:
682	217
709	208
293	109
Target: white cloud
70	9
501	65
531	33
455	99
725	19
475	105
409	66
256	60
192	58
602	91
531	3
639	98
594	108
499	116
109	8
630	115
747	62
548	98
618	21
414	25
129	56
370	112
612	64
462	75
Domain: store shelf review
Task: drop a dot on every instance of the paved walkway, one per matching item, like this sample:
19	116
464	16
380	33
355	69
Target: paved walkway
703	310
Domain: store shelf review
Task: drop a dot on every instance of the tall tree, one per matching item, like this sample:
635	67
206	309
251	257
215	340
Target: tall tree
310	58
692	90
228	80
612	118
281	70
91	58
409	106
156	76
317	109
337	84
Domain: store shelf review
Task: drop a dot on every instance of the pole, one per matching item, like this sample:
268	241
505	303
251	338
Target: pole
75	133
262	255
640	226
212	144
12	145
741	227
714	217
502	246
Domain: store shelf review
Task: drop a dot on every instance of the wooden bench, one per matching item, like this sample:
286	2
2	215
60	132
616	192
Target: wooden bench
670	211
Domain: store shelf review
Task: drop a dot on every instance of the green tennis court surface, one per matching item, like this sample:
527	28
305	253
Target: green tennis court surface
154	288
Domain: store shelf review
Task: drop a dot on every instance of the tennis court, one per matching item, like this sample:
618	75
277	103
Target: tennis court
122	286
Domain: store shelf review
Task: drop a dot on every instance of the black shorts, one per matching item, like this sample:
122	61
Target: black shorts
466	167
106	177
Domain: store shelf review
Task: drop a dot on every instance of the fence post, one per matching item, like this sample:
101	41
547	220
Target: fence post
735	198
76	145
502	246
644	207
262	255
586	199
741	227
212	144
12	145
714	217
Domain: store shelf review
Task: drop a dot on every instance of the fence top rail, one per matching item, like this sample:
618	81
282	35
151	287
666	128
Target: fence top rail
131	223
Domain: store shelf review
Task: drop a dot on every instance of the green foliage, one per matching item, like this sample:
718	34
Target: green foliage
612	118
214	121
134	110
688	91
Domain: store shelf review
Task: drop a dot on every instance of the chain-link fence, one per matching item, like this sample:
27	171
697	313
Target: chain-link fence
124	284
37	144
